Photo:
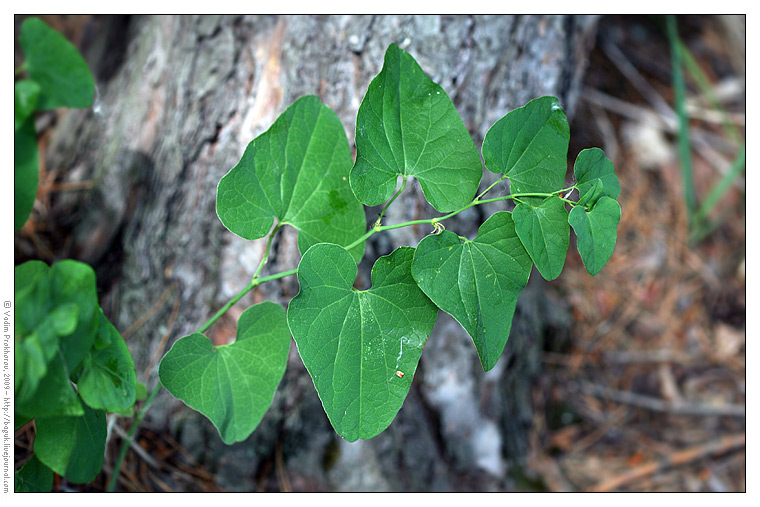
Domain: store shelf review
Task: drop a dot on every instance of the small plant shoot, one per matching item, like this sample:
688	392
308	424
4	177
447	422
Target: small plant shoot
362	347
71	364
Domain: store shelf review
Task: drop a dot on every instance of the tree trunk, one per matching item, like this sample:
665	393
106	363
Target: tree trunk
179	98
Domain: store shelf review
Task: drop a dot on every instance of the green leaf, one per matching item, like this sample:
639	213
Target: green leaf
32	291
141	391
361	348
30	365
408	126
72	446
26	161
55	395
591	193
476	282
35	349
33	477
233	385
545	233
529	146
295	172
595	177
20	420
62	300
24	275
56	66
73	282
597	232
108	378
36	341
56	324
63	319
25	95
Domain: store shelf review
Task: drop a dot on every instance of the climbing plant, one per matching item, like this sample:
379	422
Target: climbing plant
362	347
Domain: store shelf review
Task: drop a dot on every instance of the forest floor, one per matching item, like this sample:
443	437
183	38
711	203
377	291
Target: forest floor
648	393
652	383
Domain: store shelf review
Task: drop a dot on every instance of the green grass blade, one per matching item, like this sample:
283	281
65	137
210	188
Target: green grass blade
684	145
693	68
720	188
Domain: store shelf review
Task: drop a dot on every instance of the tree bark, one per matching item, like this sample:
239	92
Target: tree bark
179	98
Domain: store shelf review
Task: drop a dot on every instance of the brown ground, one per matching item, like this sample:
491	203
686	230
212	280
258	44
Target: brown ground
648	394
653	381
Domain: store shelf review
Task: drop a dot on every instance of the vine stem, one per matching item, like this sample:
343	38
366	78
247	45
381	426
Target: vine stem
475	202
388	204
129	438
258	281
484	192
157	388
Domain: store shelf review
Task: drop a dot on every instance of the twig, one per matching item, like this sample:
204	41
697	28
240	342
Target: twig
705	146
615	419
161	484
637	80
629	110
679	458
659	405
130	436
137	448
712	116
125	478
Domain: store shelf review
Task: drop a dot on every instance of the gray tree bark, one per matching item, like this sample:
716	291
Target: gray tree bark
179	98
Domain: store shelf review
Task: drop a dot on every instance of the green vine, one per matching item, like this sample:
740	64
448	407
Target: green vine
360	347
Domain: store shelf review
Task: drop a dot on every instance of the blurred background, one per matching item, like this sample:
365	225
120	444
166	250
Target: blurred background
631	380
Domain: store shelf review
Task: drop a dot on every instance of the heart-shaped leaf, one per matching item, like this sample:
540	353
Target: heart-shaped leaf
56	66
57	320
476	282
408	126
26	172
595	177
545	234
108	375
596	231
295	172
361	348
72	446
33	477
54	309
233	385
529	145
